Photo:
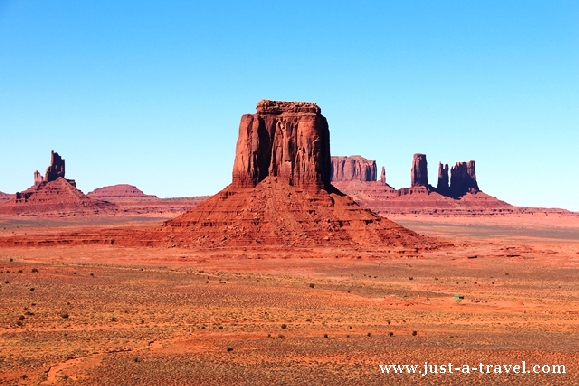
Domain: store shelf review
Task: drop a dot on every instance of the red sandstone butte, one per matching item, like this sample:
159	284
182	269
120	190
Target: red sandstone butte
419	171
281	193
285	140
54	195
353	168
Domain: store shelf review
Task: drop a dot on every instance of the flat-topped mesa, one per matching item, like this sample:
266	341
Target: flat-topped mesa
353	168
442	184
288	140
419	171
265	106
463	179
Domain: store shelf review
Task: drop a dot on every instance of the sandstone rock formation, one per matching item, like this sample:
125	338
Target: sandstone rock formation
383	176
285	140
419	171
281	192
458	195
463	179
131	201
55	170
442	184
54	195
54	198
120	191
38	179
353	168
56	167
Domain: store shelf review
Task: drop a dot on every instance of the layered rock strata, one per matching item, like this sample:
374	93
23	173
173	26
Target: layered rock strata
281	192
54	195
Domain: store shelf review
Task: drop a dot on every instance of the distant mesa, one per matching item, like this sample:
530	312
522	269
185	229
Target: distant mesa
120	191
281	192
54	195
456	193
354	168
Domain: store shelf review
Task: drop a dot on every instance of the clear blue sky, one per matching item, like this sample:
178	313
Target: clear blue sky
150	93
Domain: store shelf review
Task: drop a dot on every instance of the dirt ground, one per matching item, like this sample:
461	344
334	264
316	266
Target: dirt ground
111	315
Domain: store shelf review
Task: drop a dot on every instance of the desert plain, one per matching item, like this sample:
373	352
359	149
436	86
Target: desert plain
258	315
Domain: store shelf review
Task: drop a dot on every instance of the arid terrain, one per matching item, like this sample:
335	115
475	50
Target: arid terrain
105	314
283	279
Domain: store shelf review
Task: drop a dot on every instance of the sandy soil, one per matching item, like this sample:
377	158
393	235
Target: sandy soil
109	315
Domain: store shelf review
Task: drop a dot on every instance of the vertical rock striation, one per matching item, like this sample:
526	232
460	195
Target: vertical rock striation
463	179
419	171
442	184
288	140
353	168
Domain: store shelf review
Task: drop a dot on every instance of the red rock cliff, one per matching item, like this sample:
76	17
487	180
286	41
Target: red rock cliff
288	140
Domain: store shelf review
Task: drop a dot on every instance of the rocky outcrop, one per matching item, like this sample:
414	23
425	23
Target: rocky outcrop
442	184
38	179
419	171
56	167
463	179
353	168
281	192
383	176
54	195
287	140
54	170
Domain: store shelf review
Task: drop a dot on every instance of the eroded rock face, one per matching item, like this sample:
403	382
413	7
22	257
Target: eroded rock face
54	170
281	192
383	175
442	184
38	179
56	167
419	171
463	178
353	168
288	140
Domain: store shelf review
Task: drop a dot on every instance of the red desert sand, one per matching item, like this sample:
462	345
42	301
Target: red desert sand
281	278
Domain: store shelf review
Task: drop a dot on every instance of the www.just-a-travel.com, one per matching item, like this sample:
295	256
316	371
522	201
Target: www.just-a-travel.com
481	368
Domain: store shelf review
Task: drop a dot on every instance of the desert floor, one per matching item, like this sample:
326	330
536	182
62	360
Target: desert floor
113	315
